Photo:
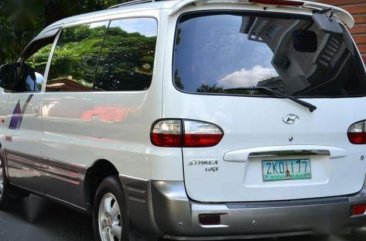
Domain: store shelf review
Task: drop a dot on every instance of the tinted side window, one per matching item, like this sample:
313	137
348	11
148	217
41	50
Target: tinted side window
127	58
75	59
32	70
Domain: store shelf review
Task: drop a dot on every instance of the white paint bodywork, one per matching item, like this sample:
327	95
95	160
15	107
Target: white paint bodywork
59	133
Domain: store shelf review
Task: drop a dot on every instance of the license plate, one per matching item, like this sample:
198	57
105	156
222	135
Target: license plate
279	170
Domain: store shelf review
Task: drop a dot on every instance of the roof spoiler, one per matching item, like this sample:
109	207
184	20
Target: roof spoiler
344	16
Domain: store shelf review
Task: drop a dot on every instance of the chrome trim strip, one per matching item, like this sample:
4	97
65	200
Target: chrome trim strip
281	151
15	165
65	178
72	173
265	154
21	161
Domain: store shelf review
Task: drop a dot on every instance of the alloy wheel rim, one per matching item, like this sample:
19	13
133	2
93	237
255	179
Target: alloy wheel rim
1	179
109	218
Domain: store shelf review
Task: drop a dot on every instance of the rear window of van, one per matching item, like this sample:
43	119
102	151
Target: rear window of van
230	52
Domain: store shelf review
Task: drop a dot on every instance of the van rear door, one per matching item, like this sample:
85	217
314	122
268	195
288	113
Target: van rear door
227	67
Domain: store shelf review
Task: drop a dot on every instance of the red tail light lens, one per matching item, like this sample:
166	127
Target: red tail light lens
279	2
201	134
185	133
357	133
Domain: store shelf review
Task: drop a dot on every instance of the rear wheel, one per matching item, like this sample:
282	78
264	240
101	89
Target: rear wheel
110	218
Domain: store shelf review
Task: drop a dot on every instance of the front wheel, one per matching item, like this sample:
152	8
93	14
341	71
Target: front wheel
4	187
7	191
110	218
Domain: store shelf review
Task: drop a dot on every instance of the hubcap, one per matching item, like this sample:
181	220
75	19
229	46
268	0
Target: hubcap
109	218
1	179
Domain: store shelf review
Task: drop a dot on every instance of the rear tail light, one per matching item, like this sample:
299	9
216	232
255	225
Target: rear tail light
185	133
357	133
279	2
167	133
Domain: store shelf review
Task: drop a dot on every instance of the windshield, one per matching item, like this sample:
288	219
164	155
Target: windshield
219	52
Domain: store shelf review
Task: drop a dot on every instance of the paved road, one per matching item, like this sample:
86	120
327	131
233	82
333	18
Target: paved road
34	218
37	219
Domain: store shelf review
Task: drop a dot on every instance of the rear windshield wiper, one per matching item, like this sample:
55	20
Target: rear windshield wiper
278	94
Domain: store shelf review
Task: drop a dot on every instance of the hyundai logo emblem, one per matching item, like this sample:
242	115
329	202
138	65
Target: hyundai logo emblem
290	119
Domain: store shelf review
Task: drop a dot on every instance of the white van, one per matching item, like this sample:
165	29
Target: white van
192	119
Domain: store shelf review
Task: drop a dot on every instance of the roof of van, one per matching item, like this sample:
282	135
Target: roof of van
133	6
175	5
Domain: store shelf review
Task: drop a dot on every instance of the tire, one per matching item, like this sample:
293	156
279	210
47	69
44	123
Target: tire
110	216
4	187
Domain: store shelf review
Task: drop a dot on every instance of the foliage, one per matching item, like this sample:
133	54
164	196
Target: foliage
77	52
21	20
124	59
210	89
39	61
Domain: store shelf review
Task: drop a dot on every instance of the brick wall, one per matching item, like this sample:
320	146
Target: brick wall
358	9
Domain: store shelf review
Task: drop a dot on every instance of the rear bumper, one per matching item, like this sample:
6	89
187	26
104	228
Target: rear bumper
173	215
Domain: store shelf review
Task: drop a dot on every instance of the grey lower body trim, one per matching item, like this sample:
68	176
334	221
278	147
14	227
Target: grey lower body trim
177	216
163	208
50	178
238	237
138	199
71	172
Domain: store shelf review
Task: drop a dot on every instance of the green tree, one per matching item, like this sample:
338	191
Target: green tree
21	20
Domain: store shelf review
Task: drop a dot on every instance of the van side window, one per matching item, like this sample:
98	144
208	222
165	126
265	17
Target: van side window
127	57
32	69
75	59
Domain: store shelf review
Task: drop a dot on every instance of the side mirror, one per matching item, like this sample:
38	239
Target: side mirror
8	76
305	41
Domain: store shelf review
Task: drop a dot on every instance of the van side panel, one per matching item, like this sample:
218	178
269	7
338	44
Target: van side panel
80	128
23	134
99	126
